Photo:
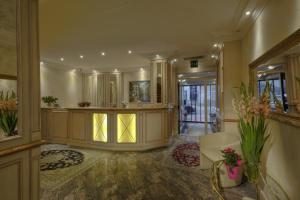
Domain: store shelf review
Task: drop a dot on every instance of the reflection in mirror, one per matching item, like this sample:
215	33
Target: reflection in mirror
8	68
275	76
282	73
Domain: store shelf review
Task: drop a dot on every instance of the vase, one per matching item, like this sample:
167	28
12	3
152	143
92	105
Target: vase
233	172
228	180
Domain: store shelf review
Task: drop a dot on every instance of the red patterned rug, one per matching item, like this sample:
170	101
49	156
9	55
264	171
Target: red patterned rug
187	154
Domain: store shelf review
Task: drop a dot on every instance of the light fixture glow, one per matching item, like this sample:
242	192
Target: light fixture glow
116	70
271	67
126	128
248	13
180	75
41	63
62	59
103	53
100	127
215	45
129	52
81	56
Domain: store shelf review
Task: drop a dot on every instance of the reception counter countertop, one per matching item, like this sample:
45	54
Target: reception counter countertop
108	108
128	129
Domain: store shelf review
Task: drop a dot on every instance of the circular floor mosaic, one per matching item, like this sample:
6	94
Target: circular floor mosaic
57	159
187	154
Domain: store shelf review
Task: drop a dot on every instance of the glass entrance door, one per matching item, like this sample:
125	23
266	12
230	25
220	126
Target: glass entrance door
197	103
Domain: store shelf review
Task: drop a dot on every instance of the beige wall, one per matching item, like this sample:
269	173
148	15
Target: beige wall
8	52
65	84
141	75
278	20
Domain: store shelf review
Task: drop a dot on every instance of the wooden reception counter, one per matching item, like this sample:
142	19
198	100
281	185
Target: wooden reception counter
121	129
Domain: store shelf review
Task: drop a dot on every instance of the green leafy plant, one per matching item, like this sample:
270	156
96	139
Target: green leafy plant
50	100
252	113
8	113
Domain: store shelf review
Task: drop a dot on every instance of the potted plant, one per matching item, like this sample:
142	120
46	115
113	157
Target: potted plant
49	100
8	113
252	113
232	162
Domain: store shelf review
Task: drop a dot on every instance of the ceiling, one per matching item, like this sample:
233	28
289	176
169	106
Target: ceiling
169	28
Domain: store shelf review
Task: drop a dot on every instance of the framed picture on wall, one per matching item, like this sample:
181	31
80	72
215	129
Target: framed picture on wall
139	91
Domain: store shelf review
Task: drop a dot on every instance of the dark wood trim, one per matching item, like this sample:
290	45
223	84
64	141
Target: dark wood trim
281	47
9	77
22	147
230	120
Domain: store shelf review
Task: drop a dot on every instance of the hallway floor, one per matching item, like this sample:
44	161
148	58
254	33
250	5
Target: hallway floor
153	174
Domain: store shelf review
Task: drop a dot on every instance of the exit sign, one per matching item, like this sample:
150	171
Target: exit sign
194	63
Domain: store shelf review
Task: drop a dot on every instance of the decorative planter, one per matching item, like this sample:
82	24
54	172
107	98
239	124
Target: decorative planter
233	178
233	173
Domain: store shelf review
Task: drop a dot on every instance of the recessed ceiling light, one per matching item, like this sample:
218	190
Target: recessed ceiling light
215	45
103	53
41	62
248	13
62	59
81	56
271	67
129	52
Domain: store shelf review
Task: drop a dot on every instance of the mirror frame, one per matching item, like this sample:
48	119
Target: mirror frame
294	39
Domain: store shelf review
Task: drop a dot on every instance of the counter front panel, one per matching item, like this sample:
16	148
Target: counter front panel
108	128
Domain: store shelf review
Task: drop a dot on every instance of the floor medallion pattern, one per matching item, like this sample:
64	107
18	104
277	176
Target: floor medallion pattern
57	159
187	154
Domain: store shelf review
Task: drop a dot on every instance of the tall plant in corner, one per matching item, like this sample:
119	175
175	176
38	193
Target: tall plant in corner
252	113
8	113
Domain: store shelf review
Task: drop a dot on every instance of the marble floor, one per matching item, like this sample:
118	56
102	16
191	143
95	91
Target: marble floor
131	175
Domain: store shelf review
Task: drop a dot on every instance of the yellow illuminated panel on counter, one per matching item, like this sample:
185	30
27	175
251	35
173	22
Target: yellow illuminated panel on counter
126	128
100	127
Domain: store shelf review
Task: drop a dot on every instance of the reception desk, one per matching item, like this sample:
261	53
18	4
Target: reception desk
120	129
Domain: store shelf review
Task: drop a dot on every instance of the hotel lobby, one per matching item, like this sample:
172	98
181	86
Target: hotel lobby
136	99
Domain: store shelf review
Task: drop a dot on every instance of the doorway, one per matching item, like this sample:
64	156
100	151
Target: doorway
197	106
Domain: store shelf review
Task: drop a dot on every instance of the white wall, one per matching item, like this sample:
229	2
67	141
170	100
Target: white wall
65	84
141	75
279	19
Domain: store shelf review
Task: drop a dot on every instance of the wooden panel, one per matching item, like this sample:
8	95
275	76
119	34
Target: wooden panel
153	126
14	176
78	125
35	175
58	125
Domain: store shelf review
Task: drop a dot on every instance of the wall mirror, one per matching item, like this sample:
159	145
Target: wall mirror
8	69
280	68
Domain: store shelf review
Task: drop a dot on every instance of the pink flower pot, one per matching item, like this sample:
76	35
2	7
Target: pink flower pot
233	173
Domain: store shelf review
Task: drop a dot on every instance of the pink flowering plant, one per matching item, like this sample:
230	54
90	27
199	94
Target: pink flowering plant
252	113
8	113
231	158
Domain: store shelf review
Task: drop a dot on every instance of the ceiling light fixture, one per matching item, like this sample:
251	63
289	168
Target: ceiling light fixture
248	13
62	59
81	56
129	52
103	53
271	67
215	45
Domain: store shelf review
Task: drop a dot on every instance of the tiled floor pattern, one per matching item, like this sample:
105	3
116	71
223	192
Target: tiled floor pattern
131	175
